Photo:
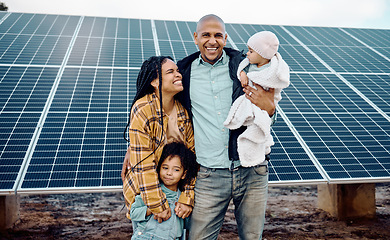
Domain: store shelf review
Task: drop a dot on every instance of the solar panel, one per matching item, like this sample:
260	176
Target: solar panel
67	82
23	94
83	131
375	87
290	162
348	138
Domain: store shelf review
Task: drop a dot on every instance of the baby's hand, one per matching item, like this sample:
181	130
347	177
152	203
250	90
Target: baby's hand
244	79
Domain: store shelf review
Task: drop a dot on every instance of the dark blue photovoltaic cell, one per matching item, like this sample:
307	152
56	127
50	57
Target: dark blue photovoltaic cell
348	138
186	31
289	161
28	49
16	131
25	89
317	93
23	94
346	145
94	90
372	37
299	59
40	42
111	43
374	87
321	36
78	150
15	23
40	24
352	59
384	51
80	142
242	32
2	14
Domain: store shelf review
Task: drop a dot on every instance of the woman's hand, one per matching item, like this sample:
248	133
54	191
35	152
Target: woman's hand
148	212
126	165
261	98
163	216
183	210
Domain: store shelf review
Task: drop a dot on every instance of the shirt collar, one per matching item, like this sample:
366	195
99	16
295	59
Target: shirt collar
222	60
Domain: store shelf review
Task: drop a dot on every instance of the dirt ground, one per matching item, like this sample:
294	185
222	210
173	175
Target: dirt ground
291	214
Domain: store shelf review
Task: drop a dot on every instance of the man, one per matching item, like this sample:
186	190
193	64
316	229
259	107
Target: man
210	86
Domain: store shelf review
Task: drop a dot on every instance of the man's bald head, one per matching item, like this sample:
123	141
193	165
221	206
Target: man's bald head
209	17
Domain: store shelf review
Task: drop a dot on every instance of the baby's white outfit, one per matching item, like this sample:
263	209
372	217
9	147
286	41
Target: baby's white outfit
256	141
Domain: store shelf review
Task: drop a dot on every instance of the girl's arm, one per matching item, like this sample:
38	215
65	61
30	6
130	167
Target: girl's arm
139	211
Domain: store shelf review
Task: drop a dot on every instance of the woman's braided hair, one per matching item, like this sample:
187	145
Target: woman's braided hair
150	70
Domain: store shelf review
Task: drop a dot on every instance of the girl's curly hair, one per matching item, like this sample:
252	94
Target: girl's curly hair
187	159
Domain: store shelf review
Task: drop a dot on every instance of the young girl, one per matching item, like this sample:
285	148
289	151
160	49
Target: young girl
263	66
177	167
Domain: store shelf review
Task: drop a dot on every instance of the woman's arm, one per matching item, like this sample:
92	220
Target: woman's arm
143	159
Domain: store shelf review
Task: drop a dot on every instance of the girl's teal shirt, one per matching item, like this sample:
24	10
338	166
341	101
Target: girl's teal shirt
147	226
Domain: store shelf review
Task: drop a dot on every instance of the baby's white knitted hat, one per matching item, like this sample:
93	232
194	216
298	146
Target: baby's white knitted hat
265	43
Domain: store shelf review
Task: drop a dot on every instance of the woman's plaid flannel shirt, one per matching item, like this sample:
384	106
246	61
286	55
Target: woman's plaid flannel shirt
145	133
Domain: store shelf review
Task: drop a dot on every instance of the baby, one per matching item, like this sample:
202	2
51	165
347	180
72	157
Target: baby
265	67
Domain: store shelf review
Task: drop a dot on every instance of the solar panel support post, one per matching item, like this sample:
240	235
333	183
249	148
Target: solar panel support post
347	201
9	211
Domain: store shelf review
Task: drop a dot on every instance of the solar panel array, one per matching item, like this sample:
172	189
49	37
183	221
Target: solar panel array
66	84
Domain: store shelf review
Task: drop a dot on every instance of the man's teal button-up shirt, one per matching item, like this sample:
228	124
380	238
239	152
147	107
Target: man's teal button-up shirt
211	99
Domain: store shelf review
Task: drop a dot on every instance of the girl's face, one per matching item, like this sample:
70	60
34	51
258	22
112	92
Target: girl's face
171	79
171	172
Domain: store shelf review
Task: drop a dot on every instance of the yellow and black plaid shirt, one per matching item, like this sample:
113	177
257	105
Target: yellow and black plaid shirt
145	134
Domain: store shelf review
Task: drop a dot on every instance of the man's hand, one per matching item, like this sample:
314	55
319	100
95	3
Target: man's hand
126	164
163	216
261	98
182	210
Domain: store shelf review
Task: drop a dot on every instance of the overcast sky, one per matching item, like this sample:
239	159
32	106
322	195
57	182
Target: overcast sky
326	13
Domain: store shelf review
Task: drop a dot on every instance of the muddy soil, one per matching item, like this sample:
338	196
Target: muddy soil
292	213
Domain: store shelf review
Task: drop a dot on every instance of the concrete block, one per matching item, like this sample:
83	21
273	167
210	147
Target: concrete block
347	201
9	211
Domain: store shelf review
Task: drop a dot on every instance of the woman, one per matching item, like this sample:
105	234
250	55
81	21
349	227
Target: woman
156	118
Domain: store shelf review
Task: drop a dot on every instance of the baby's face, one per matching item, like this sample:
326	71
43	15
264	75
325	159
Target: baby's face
254	57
